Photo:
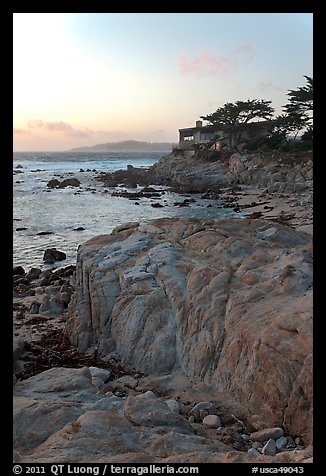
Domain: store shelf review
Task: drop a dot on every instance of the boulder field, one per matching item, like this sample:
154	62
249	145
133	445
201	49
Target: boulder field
69	416
227	304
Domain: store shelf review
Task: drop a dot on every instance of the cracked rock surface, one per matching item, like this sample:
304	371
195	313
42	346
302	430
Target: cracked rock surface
226	303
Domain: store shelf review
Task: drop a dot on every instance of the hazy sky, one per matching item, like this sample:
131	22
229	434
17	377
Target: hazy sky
87	78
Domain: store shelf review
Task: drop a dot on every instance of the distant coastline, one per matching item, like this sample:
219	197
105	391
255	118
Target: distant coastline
127	146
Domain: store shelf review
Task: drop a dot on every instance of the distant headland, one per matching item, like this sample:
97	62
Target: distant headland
128	146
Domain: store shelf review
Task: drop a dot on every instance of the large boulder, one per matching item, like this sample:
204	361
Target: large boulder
52	254
228	303
69	182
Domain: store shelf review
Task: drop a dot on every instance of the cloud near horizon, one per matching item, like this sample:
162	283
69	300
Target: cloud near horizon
68	130
205	64
58	126
20	131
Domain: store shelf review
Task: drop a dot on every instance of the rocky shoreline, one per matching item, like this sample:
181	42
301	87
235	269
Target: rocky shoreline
180	340
273	186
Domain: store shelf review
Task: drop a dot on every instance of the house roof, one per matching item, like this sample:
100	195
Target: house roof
218	128
209	128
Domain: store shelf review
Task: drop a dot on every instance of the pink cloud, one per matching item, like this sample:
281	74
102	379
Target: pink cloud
58	126
68	130
245	48
205	64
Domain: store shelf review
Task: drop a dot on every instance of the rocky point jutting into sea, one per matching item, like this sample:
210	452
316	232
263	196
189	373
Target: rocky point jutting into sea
180	339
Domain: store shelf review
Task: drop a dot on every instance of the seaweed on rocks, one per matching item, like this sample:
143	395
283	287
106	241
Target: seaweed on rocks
55	350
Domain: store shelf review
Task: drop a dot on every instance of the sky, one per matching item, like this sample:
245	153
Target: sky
81	79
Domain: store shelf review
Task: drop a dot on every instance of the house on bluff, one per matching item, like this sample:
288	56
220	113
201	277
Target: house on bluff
200	136
213	137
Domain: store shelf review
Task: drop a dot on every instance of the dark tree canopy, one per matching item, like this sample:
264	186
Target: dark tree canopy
299	109
253	120
302	98
240	112
234	117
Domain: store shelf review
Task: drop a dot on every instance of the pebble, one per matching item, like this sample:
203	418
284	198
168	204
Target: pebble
290	442
254	452
127	381
202	414
173	405
269	448
256	445
281	442
34	307
103	374
195	411
212	421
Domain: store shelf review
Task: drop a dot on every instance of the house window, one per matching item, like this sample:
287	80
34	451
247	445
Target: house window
206	136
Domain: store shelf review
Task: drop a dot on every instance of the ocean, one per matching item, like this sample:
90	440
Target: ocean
50	218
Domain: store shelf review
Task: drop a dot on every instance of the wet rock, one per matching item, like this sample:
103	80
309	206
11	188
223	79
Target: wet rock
52	254
46	274
18	271
53	183
65	272
44	281
21	282
33	273
69	182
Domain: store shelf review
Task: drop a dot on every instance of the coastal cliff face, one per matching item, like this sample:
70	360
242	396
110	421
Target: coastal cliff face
226	303
291	172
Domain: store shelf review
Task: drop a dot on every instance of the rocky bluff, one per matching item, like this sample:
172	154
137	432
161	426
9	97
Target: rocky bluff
227	303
